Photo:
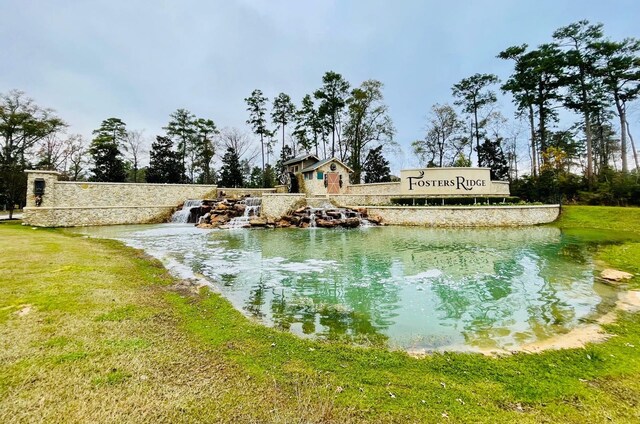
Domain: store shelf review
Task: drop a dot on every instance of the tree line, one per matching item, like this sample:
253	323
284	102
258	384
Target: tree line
334	121
578	73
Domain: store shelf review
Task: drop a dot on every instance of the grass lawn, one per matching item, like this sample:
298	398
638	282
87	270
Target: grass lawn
94	331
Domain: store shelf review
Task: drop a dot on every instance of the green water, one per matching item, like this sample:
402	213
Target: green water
413	288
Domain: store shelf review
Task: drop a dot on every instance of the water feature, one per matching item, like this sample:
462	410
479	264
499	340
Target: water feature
182	216
414	288
252	208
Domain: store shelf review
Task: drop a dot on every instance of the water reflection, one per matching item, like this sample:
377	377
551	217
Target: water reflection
415	287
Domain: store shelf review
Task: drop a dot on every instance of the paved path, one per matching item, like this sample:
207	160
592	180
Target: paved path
15	216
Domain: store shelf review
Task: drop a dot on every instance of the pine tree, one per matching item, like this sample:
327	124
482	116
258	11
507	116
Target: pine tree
490	155
376	167
105	151
164	165
182	128
231	173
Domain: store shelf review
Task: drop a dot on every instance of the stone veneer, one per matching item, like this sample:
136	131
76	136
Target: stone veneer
67	204
276	205
73	203
461	216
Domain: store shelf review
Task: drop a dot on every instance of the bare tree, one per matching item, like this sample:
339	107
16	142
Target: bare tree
134	146
231	137
77	159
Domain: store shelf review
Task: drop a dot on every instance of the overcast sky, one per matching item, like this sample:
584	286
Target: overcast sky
142	60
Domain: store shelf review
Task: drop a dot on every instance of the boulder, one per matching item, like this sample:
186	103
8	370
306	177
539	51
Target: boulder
615	276
351	222
240	208
375	220
258	222
283	224
326	223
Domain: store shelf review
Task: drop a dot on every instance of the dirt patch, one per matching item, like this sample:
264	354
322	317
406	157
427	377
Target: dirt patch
24	311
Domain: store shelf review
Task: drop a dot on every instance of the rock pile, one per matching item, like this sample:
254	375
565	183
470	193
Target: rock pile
219	212
306	217
230	213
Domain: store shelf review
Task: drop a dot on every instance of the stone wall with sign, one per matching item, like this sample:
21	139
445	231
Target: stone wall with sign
446	181
473	216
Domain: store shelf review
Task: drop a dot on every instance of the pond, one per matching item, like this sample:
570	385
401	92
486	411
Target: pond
406	287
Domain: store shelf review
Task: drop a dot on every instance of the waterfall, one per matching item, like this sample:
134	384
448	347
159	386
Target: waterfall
331	213
182	216
252	208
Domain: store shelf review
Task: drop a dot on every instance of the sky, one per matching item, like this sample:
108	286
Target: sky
141	60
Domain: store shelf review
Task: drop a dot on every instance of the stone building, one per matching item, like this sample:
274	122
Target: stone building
317	177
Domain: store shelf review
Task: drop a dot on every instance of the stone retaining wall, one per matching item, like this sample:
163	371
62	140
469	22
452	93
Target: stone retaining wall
276	205
374	188
460	216
82	216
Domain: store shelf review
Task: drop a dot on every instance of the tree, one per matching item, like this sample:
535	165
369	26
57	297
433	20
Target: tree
231	174
22	125
257	118
376	167
256	177
108	165
205	147
333	98
77	158
53	152
182	129
134	145
473	95
240	141
164	164
490	154
581	78
368	123
309	126
282	113
535	86
442	140
619	69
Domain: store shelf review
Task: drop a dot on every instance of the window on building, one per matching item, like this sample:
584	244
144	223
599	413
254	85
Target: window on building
320	175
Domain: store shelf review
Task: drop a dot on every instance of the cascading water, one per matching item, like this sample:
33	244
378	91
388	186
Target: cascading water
329	214
182	216
252	208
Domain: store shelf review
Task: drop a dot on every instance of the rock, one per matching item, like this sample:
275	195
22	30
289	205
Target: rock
375	220
295	220
300	210
362	212
239	207
283	224
334	214
222	207
325	223
351	222
614	275
205	226
258	222
220	219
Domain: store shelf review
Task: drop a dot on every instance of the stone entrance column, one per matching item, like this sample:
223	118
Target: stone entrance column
40	188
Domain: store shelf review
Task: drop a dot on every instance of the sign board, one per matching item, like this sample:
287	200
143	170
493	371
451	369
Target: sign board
445	181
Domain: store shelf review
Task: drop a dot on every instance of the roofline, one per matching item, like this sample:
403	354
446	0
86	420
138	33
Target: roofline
299	159
319	164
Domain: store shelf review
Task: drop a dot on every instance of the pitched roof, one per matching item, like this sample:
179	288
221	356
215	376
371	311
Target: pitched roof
300	159
322	162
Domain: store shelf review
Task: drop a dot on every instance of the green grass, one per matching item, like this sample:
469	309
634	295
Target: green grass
107	338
